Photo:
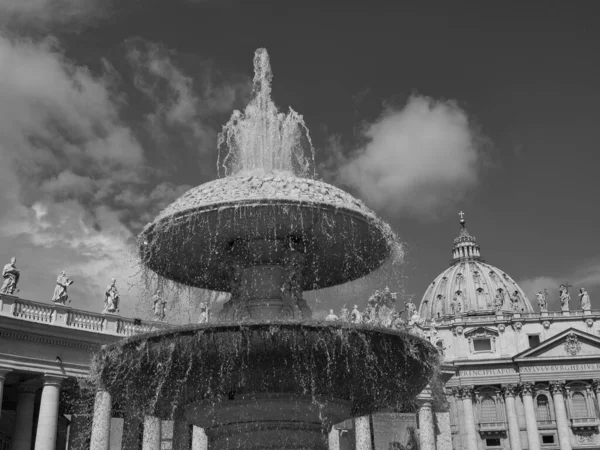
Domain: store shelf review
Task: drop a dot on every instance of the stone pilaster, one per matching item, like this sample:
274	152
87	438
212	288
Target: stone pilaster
48	417
3	373
23	428
533	435
466	394
444	437
426	425
510	392
199	439
560	411
362	431
101	422
334	439
152	431
596	388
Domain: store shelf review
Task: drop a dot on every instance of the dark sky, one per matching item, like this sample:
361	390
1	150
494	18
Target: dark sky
525	73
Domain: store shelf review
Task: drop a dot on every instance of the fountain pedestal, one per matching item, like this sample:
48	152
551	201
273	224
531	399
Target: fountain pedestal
277	421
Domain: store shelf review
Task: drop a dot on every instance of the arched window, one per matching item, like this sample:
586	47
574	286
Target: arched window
543	408
579	405
488	410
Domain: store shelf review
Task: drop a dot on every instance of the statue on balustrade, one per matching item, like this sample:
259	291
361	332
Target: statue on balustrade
60	295
158	307
331	316
410	308
344	314
204	313
11	275
356	316
111	298
515	301
542	298
584	300
499	300
564	296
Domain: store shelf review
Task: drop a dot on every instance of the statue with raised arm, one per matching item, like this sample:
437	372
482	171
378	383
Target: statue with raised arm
564	296
11	275
584	300
111	298
158	307
542	299
60	295
204	313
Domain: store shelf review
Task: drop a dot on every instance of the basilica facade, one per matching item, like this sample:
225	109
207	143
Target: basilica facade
513	376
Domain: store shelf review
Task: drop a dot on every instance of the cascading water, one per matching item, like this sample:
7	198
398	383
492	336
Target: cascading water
262	139
266	375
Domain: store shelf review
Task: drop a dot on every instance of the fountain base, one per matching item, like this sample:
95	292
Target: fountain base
277	421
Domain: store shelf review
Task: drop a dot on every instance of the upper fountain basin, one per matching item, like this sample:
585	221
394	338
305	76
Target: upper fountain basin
190	241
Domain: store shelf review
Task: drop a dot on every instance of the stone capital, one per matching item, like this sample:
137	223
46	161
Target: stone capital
527	388
3	372
596	385
456	392
557	387
467	391
510	390
53	380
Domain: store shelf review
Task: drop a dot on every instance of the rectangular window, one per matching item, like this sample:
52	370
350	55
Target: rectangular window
482	345
547	439
534	340
493	442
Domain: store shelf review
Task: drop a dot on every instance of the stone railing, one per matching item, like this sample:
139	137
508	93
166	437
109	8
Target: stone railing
491	427
64	316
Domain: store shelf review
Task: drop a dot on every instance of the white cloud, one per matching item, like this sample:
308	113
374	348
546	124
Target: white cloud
417	161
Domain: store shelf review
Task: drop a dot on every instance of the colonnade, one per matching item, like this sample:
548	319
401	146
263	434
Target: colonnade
465	394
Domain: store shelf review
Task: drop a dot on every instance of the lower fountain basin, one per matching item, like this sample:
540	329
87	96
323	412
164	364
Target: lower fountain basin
259	379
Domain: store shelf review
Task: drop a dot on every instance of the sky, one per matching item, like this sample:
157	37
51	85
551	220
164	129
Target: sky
110	110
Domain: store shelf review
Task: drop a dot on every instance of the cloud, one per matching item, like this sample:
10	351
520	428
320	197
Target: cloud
418	161
52	11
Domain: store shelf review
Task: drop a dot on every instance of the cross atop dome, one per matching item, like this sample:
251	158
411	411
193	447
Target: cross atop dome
465	245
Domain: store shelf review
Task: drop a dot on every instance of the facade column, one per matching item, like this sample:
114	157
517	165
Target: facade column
3	373
510	392
426	426
334	439
362	432
23	429
152	432
596	388
182	435
199	439
560	412
466	393
45	438
533	435
101	422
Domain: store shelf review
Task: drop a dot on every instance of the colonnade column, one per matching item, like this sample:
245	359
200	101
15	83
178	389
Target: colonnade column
334	439
3	373
101	422
45	438
562	422
533	436
152	432
426	425
510	392
362	431
596	387
199	439
466	393
23	428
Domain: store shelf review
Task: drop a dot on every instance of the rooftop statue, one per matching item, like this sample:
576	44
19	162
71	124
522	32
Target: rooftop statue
499	300
584	300
11	275
60	295
204	313
565	297
344	314
356	316
515	301
331	316
111	298
158	307
542	298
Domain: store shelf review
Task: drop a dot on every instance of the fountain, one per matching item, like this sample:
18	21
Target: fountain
265	375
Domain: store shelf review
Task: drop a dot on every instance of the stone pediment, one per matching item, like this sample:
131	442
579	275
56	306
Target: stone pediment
481	332
568	344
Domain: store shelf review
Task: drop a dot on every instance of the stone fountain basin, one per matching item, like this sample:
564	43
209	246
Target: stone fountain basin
190	241
326	372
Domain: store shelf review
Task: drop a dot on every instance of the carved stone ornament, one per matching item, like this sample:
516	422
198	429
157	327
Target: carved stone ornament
501	327
527	388
546	324
584	438
596	385
572	344
457	392
518	326
467	391
589	323
458	330
510	390
557	387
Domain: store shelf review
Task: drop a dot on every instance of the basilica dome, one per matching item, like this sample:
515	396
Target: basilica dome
471	286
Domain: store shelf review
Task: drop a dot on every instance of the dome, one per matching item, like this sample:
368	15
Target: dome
471	286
